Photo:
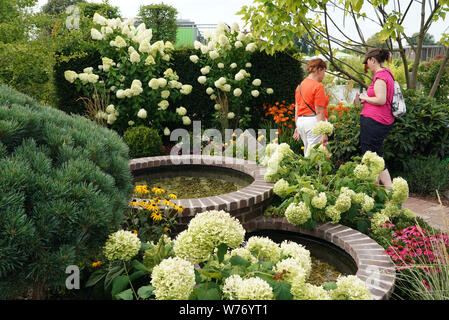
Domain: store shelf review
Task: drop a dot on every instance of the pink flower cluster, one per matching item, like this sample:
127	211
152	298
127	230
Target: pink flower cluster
414	246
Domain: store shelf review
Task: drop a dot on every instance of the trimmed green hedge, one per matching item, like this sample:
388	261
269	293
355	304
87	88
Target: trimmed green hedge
281	72
65	184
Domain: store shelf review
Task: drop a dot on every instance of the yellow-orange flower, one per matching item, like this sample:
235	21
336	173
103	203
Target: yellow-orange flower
134	231
141	189
96	264
158	190
165	229
156	216
172	196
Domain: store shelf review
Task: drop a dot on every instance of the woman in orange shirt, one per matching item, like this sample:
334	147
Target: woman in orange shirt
311	105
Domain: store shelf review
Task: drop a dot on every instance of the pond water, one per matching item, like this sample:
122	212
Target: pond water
328	260
193	181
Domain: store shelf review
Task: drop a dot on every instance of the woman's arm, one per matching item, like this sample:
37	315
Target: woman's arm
380	94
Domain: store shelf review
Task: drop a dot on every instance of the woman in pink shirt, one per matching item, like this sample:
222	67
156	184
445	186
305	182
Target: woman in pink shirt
376	119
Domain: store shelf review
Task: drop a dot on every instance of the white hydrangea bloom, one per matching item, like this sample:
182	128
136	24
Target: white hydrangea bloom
231	115
300	253
163	105
181	111
70	76
166	131
99	19
239	76
319	201
280	188
96	35
173	279
254	289
197	45
400	190
209	91
263	248
333	213
110	108
323	127
368	203
165	94
142	113
121	245
293	268
257	82
255	93
270	91
202	79
205	70
194	58
251	47
297	214
186	120
220	65
350	288
343	203
213	54
308	291
186	89
230	286
217	106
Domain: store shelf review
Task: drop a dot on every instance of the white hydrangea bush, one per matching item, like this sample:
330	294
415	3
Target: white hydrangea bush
134	76
226	73
309	196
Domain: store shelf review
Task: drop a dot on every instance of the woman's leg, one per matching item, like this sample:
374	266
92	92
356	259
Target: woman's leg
372	136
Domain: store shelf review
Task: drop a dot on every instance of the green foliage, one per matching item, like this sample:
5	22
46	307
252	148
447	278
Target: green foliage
143	141
55	7
65	185
161	18
427	77
426	174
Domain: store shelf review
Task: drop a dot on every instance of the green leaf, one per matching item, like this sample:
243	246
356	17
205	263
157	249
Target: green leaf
125	295
329	286
209	294
95	278
239	261
113	272
119	284
282	290
363	225
222	249
136	275
138	266
145	291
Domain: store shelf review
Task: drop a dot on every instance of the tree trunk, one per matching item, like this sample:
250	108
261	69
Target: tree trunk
440	74
38	290
418	50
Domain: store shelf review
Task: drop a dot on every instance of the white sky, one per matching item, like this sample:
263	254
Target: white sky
214	11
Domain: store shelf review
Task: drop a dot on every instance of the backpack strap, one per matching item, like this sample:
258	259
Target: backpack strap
299	86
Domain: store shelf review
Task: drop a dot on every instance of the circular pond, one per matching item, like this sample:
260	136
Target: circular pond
193	181
245	194
328	260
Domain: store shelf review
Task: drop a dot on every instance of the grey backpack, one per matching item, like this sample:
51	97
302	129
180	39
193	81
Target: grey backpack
398	107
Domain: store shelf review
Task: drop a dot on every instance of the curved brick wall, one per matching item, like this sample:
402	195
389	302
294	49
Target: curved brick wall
374	266
245	204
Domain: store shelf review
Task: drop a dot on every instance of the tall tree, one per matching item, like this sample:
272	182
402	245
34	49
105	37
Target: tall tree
427	40
54	7
161	18
289	18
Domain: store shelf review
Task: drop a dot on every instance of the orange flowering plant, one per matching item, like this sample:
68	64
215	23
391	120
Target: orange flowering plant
152	213
282	115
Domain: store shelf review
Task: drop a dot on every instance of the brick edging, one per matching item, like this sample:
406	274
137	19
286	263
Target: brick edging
374	267
258	192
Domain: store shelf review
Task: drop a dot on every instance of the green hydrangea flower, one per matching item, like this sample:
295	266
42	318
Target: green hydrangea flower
350	288
280	188
121	245
298	214
343	203
319	201
333	213
361	172
323	127
173	279
399	190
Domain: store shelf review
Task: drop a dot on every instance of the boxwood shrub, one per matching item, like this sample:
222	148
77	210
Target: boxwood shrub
64	187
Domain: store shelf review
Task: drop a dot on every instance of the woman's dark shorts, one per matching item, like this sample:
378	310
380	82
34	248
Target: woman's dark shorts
372	135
